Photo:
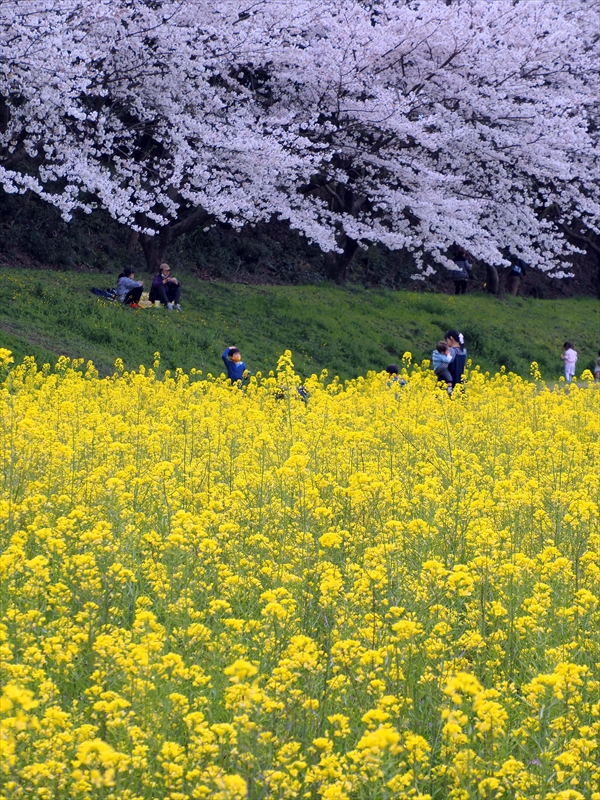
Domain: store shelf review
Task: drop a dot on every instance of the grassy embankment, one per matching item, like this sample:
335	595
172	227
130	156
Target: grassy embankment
346	330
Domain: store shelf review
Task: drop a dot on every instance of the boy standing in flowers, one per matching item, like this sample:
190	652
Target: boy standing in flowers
394	373
570	359
236	369
394	377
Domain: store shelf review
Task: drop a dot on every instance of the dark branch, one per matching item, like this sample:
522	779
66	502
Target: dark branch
579	237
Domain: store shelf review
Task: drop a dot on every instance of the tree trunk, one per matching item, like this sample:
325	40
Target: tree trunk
502	276
132	240
595	248
338	268
154	251
155	247
591	240
493	280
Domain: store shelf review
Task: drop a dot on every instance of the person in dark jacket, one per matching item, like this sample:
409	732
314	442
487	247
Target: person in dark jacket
166	289
129	291
462	273
518	271
458	351
236	369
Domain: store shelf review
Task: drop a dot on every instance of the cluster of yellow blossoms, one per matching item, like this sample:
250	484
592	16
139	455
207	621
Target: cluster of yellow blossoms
214	592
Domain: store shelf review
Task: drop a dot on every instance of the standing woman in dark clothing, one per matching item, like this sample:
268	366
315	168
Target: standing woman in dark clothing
458	351
462	273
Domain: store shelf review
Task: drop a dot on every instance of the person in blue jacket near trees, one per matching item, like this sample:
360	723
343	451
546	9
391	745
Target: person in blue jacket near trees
236	369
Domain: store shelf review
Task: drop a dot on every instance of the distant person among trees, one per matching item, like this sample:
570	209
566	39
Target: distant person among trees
458	351
440	361
597	368
166	288
518	271
129	291
463	271
570	358
236	369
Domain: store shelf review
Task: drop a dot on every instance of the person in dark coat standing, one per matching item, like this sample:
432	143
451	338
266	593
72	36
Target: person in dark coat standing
462	273
518	271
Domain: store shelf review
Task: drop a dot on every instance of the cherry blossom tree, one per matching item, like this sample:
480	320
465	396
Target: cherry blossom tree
418	125
475	126
142	108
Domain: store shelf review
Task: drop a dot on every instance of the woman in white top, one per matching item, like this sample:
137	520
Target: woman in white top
570	359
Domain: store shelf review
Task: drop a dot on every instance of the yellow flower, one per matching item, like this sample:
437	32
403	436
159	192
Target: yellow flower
240	670
5	356
358	595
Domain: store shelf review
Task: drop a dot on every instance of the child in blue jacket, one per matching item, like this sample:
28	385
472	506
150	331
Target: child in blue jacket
440	360
234	365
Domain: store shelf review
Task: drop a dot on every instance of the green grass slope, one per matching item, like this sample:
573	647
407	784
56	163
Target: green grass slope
346	330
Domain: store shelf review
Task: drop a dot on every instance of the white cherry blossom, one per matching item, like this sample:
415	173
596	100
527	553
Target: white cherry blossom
415	124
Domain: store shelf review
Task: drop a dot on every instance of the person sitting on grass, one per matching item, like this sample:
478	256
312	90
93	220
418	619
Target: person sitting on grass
440	358
236	369
129	291
166	288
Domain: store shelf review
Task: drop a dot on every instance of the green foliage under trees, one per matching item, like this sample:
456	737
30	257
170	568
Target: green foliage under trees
32	233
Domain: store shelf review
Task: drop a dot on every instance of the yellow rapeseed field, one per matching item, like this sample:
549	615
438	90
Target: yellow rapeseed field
214	592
